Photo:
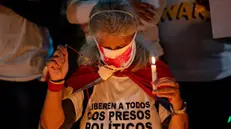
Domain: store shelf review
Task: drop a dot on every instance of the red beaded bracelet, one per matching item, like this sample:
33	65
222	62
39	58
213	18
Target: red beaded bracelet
55	86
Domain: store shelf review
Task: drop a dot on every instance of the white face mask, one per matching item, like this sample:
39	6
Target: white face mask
120	58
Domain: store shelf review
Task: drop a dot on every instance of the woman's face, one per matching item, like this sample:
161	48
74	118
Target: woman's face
114	42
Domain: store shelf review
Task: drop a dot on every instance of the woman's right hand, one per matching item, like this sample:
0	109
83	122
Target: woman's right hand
58	64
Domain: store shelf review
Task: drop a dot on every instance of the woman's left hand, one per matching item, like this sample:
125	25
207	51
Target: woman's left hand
168	88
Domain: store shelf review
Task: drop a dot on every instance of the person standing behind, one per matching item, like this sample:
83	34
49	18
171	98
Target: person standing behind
24	50
201	64
55	20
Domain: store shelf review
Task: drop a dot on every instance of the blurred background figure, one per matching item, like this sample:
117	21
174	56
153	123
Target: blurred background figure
24	50
52	16
25	46
201	64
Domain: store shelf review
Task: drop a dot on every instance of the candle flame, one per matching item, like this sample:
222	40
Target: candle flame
153	60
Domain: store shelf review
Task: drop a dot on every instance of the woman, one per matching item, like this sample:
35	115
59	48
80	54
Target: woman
123	99
24	50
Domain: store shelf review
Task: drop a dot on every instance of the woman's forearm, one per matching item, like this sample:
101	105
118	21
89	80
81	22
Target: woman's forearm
52	116
179	122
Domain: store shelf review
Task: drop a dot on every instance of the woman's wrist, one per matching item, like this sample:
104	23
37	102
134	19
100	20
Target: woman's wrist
59	81
180	110
56	85
178	105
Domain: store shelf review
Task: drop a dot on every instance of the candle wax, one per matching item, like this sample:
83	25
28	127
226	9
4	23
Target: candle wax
154	76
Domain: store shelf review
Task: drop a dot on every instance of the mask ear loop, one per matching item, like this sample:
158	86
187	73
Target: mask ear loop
80	54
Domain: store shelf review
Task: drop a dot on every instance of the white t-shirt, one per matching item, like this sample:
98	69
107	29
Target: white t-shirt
190	50
24	47
118	103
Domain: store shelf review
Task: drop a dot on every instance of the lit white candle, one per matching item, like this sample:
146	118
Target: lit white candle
154	73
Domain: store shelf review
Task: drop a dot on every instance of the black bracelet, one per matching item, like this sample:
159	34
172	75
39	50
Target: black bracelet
57	81
182	110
